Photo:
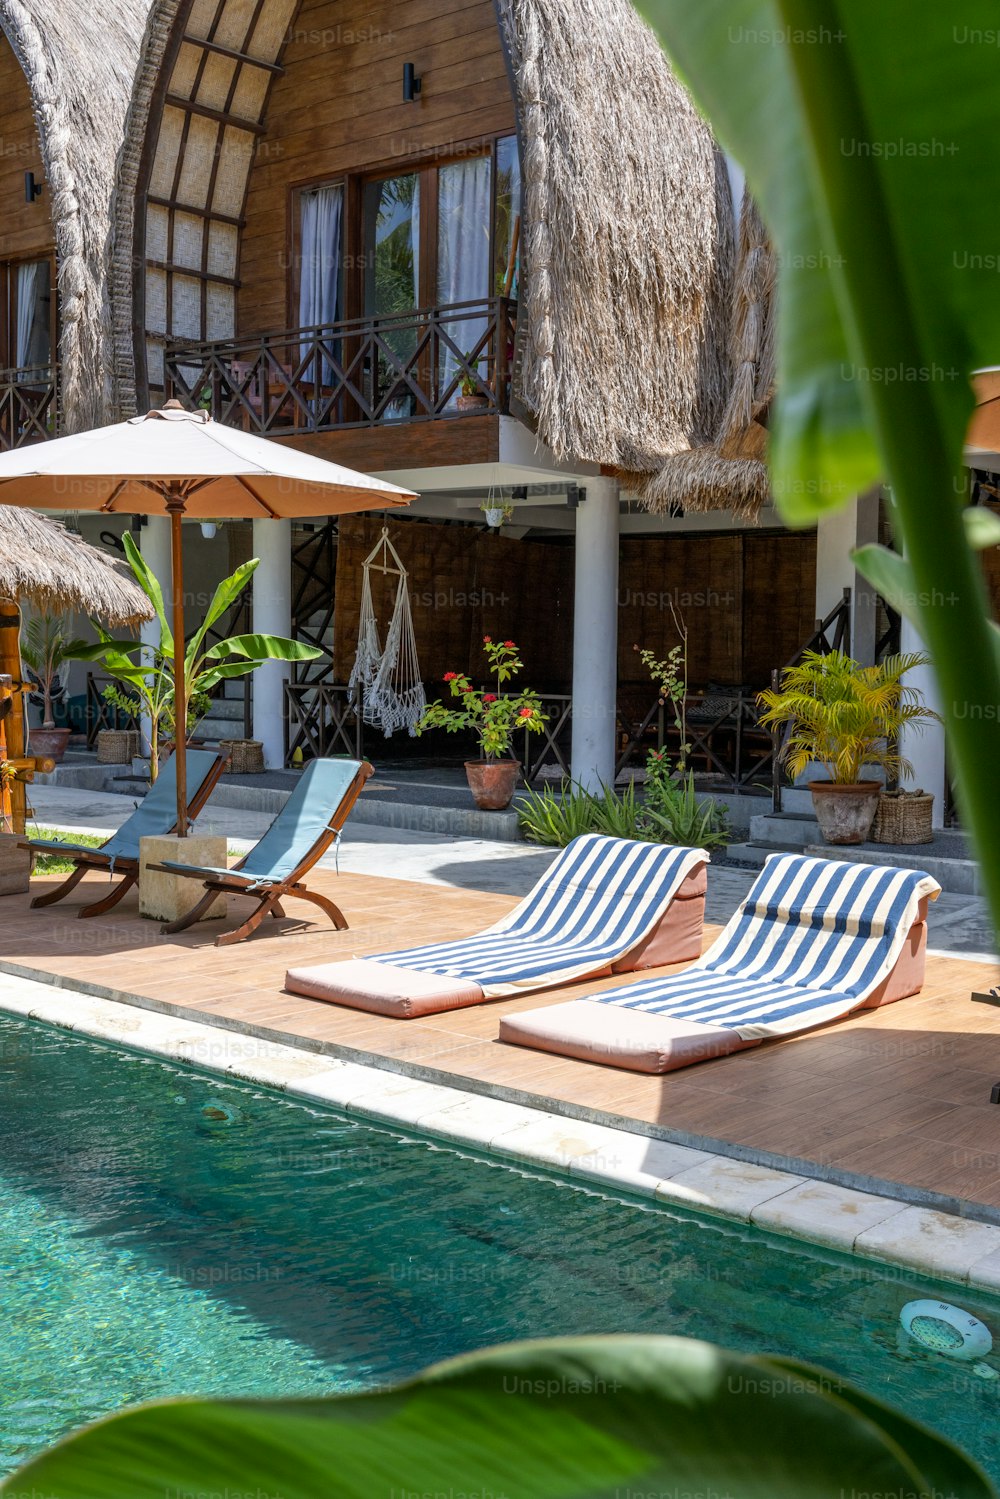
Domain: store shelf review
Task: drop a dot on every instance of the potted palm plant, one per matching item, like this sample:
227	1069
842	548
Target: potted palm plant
848	718
494	718
45	646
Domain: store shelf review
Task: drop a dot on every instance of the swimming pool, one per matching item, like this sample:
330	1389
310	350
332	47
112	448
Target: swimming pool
164	1232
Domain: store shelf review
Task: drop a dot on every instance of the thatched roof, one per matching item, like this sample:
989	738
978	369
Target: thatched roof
79	60
44	564
628	241
730	473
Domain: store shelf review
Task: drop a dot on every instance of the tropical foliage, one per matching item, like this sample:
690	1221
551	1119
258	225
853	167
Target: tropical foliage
148	676
669	813
674	814
557	1419
45	645
845	715
869	142
494	717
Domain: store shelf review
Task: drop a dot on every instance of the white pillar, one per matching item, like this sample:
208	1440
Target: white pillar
595	635
272	615
924	747
154	544
838	533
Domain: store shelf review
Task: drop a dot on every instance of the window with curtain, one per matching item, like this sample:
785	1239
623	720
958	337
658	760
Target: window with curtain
507	227
30	302
321	214
463	264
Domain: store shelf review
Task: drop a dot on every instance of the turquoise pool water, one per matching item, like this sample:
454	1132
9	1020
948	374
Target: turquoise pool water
163	1232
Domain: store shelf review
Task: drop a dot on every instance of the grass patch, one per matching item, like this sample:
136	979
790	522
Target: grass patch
54	863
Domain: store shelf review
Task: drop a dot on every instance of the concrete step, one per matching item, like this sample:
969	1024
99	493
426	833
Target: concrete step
945	860
784	829
413	817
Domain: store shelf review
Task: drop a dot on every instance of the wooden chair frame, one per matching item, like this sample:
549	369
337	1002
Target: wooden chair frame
127	868
269	894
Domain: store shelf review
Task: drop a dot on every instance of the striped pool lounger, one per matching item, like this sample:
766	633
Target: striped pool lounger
606	904
813	940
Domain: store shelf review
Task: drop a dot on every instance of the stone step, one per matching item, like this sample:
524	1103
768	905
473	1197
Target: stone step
784	829
954	872
413	817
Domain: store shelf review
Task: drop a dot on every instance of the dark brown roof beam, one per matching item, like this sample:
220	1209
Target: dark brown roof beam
235	54
253	126
193	271
200	213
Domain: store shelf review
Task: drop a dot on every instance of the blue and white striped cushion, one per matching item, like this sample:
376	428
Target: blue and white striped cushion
599	899
811	941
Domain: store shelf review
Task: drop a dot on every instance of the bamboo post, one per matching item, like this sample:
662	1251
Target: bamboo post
10	666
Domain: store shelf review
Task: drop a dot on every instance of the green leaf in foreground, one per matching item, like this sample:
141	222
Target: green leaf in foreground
571	1418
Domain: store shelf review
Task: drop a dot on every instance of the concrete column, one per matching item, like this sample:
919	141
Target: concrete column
924	747
837	534
154	544
272	615
595	635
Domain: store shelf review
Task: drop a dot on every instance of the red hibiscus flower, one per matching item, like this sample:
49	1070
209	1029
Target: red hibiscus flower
509	645
487	640
451	676
526	713
489	697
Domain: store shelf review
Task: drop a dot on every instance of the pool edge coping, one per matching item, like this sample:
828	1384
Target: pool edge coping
943	1238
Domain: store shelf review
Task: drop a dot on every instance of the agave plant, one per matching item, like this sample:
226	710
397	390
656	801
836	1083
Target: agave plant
844	715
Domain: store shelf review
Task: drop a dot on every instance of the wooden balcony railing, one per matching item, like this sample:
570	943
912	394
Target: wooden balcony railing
28	405
362	373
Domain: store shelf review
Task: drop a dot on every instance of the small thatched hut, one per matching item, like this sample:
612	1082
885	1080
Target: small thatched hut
44	564
79	60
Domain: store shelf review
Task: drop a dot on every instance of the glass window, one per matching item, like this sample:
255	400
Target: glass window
392	245
506	256
31	285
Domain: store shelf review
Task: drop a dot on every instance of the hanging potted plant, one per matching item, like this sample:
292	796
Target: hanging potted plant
848	718
494	718
45	646
497	512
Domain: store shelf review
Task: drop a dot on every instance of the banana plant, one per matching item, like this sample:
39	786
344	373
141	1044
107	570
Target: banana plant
566	1418
147	673
868	136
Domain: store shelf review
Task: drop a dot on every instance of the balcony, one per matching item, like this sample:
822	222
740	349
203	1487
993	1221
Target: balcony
366	372
28	405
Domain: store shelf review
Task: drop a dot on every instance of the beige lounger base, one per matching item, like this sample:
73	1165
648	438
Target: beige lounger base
405	994
619	1037
592	1032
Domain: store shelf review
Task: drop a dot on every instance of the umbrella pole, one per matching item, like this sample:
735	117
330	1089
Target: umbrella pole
175	509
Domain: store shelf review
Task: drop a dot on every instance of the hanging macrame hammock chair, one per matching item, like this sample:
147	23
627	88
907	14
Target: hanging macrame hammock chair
392	693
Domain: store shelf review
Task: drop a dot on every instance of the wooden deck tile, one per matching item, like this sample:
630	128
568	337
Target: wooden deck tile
900	1094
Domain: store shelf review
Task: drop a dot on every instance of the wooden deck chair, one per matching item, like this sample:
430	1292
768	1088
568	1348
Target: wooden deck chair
119	856
814	940
309	822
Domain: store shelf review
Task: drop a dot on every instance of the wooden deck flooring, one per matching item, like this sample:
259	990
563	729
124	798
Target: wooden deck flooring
898	1095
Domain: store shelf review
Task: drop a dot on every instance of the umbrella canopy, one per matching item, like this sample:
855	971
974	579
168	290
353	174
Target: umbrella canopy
984	429
175	462
44	564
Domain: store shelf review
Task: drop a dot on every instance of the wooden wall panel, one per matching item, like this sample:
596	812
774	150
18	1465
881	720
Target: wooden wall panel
779	599
338	107
25	228
464	583
702	576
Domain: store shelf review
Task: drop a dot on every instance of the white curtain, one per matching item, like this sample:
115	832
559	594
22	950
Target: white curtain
319	278
463	254
27	281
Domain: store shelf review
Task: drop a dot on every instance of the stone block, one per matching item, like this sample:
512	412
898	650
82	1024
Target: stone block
164	896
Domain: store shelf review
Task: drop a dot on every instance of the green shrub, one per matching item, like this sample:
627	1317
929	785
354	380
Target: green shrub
673	809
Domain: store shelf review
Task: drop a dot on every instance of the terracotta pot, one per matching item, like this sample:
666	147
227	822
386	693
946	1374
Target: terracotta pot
492	782
477	402
845	813
49	742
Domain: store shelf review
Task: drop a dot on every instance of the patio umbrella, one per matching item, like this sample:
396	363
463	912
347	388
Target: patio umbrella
984	429
181	463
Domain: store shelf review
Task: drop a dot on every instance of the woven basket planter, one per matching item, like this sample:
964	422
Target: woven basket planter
903	817
117	746
246	756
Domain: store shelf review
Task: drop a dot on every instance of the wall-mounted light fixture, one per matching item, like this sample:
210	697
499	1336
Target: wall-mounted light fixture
411	83
32	189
